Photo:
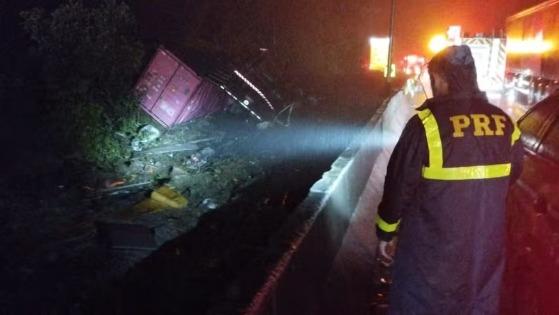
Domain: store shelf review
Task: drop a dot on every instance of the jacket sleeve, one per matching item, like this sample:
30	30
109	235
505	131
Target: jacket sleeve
402	178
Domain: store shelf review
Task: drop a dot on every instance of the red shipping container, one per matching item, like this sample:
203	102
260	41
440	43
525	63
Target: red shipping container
172	93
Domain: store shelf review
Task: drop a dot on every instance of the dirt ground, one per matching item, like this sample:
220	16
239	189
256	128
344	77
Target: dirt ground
58	210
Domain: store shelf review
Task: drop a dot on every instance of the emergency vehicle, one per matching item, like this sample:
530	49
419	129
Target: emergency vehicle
490	56
533	62
412	65
489	53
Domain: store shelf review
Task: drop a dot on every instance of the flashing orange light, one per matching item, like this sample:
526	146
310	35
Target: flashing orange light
438	43
529	46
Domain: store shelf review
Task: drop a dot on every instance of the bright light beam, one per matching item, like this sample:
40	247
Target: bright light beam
529	46
438	43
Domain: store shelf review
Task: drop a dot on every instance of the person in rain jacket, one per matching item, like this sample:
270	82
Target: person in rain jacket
444	195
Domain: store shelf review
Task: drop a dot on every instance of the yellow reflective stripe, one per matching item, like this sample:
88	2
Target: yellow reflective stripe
515	134
467	172
385	226
434	142
435	170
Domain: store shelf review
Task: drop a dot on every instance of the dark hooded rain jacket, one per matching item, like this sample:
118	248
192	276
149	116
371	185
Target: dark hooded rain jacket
450	251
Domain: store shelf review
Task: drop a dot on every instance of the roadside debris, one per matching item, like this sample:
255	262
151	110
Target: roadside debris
190	147
210	203
114	182
264	125
284	116
168	197
124	189
151	197
198	160
146	135
177	172
161	198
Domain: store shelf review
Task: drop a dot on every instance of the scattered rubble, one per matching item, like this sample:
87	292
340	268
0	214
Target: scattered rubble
110	220
264	125
209	203
188	170
146	135
186	147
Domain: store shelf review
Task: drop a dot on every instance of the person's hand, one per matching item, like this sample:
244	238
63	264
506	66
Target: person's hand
386	251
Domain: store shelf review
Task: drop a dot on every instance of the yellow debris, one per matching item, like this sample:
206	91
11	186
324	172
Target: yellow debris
169	197
161	198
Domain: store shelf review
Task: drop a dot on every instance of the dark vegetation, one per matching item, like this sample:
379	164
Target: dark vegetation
90	56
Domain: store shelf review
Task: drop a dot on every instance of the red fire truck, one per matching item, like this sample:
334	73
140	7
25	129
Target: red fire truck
532	53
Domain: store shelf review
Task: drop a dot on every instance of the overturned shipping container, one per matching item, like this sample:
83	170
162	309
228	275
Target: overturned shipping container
172	93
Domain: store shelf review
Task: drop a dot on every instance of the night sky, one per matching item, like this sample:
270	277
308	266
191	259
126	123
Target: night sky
417	21
319	33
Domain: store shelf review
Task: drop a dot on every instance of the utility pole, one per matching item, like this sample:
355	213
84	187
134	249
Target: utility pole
391	43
